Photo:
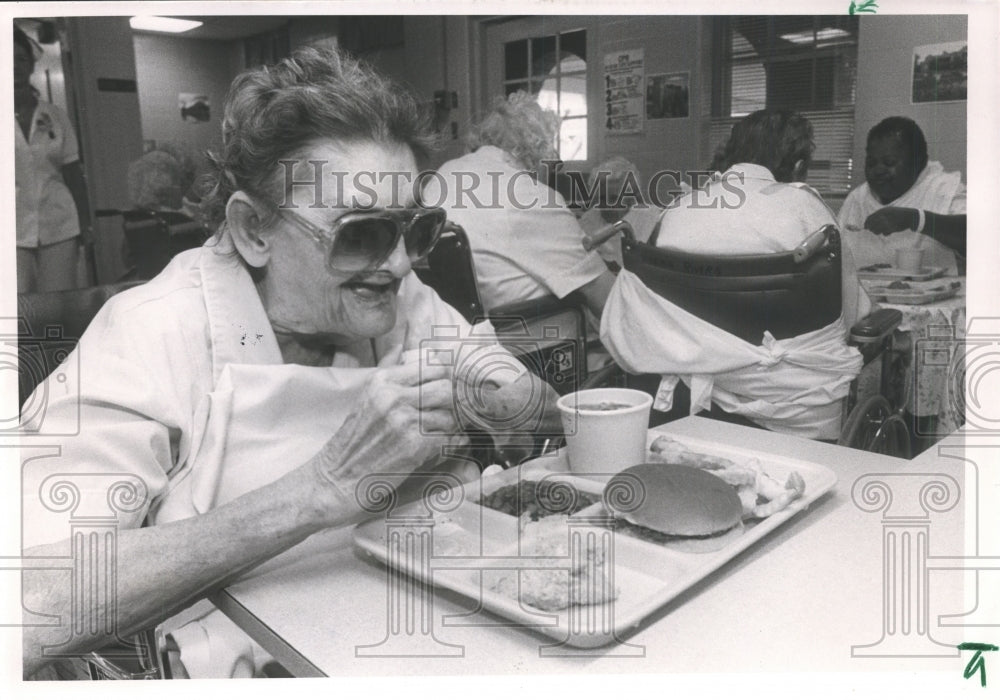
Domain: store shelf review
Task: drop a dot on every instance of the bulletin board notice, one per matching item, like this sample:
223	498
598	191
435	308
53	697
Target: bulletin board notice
624	95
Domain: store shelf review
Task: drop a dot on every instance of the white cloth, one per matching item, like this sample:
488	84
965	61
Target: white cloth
744	211
186	391
935	191
793	386
525	241
45	209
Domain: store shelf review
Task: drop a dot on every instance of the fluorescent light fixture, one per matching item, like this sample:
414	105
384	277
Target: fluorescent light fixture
163	24
821	35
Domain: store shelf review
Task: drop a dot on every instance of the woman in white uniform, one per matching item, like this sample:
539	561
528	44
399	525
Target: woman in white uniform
51	200
246	392
907	201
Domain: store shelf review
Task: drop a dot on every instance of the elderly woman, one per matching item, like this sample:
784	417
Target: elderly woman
906	201
525	241
755	204
163	180
246	390
617	184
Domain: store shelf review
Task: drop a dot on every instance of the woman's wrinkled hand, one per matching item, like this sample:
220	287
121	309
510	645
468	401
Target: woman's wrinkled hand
892	219
404	418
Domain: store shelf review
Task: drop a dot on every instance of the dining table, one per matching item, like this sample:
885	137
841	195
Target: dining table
847	584
932	334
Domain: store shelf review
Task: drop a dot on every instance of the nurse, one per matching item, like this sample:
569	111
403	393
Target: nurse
242	397
51	199
907	201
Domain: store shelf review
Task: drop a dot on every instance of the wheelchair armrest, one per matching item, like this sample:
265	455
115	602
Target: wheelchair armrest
875	326
531	308
606	233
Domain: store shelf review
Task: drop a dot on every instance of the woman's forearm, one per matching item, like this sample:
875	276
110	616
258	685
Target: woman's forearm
161	570
948	229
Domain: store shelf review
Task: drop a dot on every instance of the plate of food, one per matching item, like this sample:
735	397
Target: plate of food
885	271
914	292
586	560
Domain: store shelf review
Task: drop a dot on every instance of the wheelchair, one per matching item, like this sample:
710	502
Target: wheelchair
153	238
61	318
787	294
548	334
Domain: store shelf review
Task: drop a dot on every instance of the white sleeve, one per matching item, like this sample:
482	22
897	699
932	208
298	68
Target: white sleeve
958	201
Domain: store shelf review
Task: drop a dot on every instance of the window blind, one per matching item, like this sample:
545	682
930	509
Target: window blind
807	64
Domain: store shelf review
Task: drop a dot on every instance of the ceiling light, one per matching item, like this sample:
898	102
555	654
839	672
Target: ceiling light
163	24
821	35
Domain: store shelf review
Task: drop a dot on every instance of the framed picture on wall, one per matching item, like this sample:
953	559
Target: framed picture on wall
667	95
941	72
194	107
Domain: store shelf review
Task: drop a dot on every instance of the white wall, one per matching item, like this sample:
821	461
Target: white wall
167	66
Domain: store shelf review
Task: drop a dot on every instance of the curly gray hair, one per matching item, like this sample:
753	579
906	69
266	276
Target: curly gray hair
518	125
273	113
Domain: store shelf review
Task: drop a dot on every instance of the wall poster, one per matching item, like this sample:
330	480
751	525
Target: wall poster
624	95
667	95
941	72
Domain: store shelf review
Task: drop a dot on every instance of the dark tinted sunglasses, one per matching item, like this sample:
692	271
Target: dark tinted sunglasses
363	239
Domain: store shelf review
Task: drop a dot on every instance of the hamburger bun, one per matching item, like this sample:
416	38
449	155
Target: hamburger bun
698	511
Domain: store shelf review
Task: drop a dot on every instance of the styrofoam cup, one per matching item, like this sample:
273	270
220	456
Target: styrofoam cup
602	440
910	259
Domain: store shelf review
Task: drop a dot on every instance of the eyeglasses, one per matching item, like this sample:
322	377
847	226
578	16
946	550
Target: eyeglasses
363	240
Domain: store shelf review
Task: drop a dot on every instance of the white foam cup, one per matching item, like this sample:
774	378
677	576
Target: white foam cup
910	259
605	441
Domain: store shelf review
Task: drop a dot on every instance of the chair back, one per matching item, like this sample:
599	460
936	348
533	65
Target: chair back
154	237
450	271
49	324
547	334
787	294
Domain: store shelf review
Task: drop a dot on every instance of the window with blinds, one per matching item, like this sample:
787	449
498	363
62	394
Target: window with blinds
805	64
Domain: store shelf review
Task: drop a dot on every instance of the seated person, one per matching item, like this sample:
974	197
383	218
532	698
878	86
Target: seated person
249	388
756	205
620	198
525	241
164	179
906	199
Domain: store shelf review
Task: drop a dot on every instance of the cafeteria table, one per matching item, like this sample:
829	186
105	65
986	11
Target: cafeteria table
816	594
933	336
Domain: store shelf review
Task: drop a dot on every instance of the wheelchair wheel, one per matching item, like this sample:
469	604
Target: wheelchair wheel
874	427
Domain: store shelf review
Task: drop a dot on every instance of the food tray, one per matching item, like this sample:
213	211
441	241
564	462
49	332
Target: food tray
894	273
477	541
924	293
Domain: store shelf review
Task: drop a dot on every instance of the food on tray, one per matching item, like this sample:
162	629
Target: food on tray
760	493
695	510
535	499
583	580
898	284
603	406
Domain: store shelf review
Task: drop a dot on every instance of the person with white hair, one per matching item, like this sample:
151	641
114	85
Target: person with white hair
247	391
525	241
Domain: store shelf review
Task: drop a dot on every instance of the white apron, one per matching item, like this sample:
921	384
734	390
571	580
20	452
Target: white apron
793	386
258	423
